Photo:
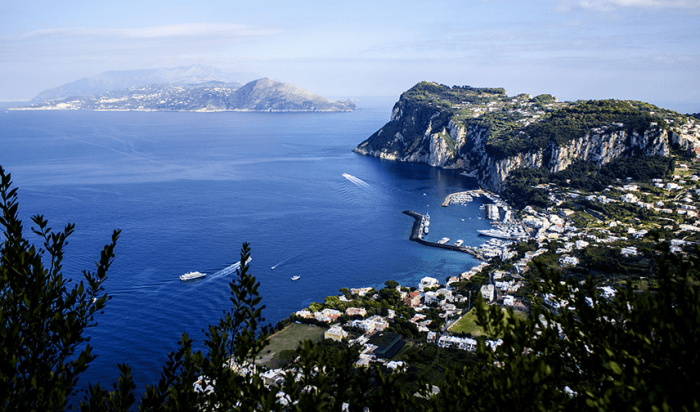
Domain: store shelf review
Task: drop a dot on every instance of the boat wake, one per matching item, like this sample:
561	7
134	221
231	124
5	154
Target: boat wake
357	181
224	272
142	287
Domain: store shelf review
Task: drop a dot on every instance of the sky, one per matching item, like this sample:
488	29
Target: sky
645	50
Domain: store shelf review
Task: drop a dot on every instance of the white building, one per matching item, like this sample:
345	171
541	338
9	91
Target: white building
428	282
568	260
487	291
629	251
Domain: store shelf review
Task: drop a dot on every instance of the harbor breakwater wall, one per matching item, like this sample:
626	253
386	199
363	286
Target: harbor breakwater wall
417	236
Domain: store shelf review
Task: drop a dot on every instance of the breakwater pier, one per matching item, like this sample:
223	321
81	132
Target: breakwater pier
417	236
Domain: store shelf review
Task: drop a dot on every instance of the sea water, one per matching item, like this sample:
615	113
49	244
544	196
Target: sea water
188	189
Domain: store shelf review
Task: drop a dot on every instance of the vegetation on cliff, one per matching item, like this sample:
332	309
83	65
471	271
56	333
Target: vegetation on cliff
521	185
525	123
485	131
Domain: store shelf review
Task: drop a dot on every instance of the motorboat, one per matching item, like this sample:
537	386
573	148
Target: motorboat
192	275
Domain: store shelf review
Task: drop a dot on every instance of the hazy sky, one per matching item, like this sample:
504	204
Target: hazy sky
575	49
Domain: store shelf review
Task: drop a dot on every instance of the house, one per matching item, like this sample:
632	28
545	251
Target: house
608	292
356	311
379	322
412	299
336	333
360	291
487	291
432	336
629	251
446	341
446	293
364	324
428	282
430	297
305	314
327	315
568	260
509	300
499	274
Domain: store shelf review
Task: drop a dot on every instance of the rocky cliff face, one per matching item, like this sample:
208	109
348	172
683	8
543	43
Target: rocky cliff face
431	132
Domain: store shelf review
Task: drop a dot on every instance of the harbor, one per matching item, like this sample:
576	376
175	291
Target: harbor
417	236
505	230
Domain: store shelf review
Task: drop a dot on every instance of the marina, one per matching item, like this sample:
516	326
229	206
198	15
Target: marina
417	236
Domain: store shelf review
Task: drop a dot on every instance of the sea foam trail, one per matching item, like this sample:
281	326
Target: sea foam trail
357	181
224	272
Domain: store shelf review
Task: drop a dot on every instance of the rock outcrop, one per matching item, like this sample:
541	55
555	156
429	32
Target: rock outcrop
490	134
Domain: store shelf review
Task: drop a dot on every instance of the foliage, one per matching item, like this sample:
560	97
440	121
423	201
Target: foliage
520	185
436	93
637	351
565	124
43	318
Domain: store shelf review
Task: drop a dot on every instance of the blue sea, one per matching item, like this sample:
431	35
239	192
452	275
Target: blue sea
188	189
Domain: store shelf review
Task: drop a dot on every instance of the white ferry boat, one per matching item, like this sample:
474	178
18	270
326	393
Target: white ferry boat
296	277
192	275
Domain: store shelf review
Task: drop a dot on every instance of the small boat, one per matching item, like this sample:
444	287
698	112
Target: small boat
192	275
296	277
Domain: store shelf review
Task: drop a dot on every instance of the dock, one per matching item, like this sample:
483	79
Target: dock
417	236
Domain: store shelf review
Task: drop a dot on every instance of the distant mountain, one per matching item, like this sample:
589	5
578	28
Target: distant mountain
259	95
116	80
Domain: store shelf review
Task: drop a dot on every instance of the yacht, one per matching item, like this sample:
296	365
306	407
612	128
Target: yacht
296	277
192	275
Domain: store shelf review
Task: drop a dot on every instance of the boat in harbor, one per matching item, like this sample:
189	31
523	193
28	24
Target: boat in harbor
459	242
192	275
443	240
502	234
296	277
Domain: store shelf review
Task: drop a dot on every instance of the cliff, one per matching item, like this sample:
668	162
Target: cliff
259	95
487	133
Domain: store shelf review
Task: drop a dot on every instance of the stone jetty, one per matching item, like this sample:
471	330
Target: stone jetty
417	236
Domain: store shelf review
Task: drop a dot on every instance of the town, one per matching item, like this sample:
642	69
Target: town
399	327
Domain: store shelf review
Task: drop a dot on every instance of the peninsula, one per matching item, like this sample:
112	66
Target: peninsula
489	134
